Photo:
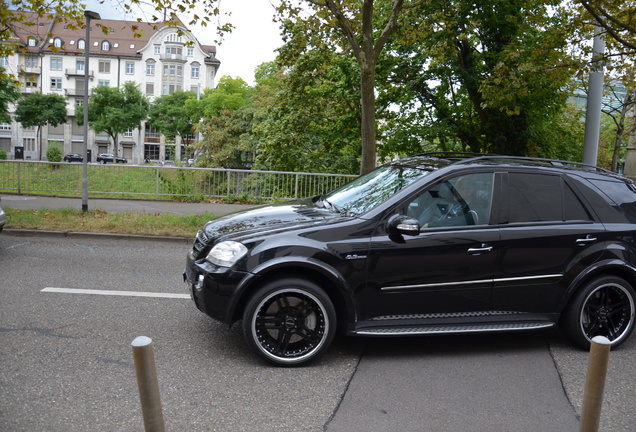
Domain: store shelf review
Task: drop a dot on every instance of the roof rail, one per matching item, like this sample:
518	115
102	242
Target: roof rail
467	157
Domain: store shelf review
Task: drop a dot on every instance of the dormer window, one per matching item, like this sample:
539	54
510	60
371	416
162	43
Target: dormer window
31	41
57	42
105	46
81	44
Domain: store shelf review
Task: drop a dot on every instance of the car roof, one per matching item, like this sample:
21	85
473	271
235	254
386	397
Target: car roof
436	160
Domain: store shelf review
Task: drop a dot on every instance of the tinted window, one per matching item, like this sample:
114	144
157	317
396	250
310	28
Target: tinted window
539	197
622	194
535	198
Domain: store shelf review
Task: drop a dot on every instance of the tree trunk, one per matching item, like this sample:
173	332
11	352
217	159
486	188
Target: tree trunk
367	126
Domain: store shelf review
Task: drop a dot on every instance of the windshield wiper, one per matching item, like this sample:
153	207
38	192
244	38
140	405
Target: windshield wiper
327	204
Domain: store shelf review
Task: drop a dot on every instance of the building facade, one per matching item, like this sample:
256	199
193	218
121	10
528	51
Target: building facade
160	59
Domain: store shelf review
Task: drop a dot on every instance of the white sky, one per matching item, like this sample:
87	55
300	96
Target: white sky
253	41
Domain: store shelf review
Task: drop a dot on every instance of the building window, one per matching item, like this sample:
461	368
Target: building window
29	144
150	89
150	68
103	83
4	61
31	42
79	65
173	37
170	88
174	51
81	44
195	72
57	42
104	66
151	151
128	133
130	68
157	49
56	63
56	83
105	46
5	126
31	61
190	51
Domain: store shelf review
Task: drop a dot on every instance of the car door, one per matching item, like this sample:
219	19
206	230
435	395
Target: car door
447	267
547	233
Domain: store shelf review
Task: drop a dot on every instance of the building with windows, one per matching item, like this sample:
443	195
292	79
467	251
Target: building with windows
51	59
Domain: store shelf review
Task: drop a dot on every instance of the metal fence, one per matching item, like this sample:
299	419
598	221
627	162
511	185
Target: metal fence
162	182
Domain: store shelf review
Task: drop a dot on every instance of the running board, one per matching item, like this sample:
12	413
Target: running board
428	330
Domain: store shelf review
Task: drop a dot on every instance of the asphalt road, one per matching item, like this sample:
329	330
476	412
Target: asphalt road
66	360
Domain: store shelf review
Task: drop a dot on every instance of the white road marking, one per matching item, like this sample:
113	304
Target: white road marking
115	293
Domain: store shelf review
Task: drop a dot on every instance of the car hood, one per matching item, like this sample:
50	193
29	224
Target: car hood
269	219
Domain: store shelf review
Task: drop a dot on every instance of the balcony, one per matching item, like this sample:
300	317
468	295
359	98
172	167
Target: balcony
30	69
173	57
77	72
74	92
29	90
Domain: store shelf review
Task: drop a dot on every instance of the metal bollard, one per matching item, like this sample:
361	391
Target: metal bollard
595	384
144	356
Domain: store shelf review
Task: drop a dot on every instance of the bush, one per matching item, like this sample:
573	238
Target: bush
3	154
54	153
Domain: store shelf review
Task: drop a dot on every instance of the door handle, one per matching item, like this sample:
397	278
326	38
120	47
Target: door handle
480	250
586	241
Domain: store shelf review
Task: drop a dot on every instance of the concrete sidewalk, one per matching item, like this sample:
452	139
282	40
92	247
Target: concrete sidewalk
117	205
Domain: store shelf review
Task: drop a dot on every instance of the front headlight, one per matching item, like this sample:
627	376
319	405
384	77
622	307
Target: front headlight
227	253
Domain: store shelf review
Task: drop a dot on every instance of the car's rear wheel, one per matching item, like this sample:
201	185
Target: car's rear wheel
289	322
604	307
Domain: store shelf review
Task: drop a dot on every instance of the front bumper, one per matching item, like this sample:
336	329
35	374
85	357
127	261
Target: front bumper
213	289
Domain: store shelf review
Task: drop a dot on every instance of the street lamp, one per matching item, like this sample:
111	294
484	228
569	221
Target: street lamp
89	16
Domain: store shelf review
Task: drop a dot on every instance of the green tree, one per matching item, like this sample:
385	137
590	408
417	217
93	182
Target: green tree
39	109
3	154
616	17
9	93
478	77
114	110
54	153
313	118
225	124
169	115
365	29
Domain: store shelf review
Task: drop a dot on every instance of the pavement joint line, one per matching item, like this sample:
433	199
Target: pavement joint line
115	293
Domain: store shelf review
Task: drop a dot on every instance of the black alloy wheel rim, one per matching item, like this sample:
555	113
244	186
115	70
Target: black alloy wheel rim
608	311
290	325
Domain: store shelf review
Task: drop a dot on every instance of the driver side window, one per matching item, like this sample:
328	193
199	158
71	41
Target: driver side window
460	201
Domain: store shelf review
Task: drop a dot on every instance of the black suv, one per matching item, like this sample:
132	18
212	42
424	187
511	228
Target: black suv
431	244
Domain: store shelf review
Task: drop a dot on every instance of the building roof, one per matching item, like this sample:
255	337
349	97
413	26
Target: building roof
126	38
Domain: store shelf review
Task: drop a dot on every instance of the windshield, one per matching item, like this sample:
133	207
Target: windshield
371	189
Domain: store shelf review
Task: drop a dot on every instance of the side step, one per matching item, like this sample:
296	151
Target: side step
464	328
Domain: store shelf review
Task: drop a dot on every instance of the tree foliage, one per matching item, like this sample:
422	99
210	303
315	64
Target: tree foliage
54	153
9	93
39	109
169	114
115	110
225	125
617	18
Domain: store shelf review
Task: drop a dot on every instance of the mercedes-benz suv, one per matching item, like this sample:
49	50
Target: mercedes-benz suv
430	244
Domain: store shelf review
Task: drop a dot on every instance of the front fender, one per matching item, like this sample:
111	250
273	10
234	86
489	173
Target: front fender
338	286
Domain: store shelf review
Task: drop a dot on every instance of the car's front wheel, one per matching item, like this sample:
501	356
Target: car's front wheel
289	322
604	307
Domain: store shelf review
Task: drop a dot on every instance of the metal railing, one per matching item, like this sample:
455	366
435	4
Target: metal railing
162	182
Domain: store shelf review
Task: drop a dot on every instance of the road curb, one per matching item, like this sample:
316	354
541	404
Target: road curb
79	234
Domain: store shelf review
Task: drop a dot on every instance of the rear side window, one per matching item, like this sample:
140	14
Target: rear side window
622	194
543	198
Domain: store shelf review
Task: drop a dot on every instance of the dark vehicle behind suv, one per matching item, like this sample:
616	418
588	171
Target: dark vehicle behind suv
432	244
73	157
107	157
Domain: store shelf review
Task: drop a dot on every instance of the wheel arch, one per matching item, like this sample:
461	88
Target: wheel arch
614	267
326	277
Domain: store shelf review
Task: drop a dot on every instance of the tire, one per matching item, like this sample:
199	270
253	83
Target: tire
603	307
289	322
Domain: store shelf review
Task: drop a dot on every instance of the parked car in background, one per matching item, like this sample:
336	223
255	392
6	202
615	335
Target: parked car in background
3	218
73	157
438	243
107	157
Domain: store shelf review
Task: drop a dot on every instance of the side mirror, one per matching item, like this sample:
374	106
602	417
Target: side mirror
401	224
